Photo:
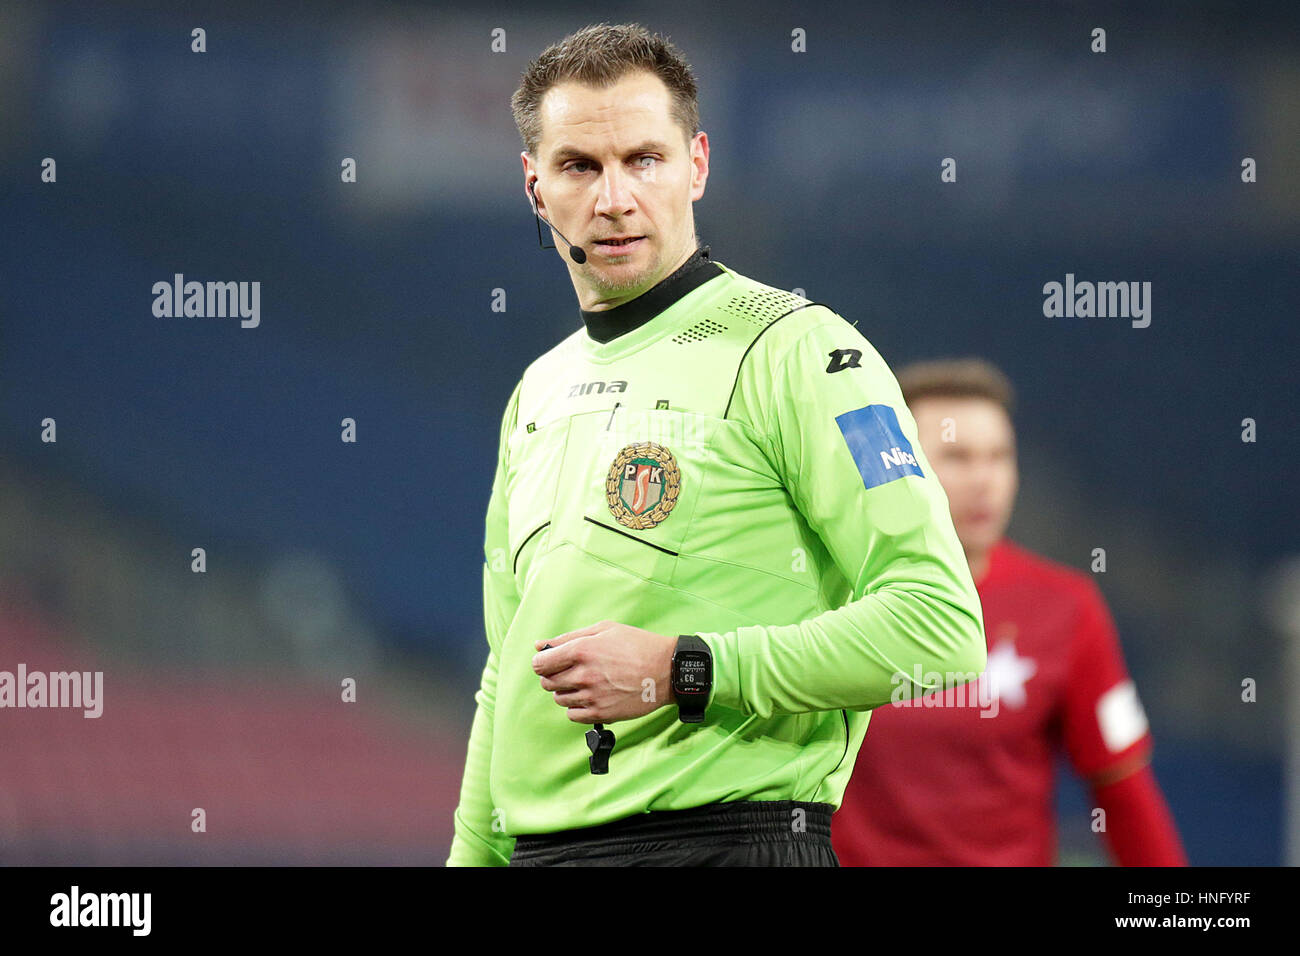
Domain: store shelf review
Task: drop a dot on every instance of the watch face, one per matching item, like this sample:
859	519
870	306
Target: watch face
693	672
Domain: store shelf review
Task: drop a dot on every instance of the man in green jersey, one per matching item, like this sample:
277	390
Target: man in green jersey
713	541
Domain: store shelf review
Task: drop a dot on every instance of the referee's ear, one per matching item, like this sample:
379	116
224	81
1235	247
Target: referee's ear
530	180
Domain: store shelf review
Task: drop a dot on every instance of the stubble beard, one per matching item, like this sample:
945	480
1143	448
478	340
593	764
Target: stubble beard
639	281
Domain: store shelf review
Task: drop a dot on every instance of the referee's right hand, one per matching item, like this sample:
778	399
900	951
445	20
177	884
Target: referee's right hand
607	671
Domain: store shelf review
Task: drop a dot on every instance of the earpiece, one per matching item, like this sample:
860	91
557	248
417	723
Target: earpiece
576	253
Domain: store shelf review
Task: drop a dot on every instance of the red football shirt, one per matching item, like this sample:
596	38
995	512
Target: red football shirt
968	779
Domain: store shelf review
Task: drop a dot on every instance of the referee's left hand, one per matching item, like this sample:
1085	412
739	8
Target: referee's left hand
607	671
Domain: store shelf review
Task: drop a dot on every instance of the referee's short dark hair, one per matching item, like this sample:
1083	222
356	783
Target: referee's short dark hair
600	55
956	378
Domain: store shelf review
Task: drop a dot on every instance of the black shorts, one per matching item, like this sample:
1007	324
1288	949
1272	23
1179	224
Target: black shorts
743	833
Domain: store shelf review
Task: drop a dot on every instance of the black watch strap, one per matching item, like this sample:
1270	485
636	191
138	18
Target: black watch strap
692	676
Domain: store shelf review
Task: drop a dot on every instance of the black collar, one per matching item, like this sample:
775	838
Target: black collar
611	323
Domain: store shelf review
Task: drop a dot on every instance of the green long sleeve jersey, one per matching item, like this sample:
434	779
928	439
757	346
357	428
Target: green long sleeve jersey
741	466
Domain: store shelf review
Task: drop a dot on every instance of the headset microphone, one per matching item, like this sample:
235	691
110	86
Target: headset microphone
576	253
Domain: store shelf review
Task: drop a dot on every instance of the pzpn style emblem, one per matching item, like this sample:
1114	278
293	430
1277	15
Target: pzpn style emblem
643	485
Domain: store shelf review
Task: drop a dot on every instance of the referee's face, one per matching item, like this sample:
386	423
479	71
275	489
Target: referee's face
612	163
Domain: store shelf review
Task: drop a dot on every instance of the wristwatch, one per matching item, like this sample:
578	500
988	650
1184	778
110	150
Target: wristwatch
692	677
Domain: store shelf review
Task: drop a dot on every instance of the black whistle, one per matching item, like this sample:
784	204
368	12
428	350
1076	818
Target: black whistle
601	742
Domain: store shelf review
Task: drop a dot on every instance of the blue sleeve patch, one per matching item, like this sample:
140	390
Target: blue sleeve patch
879	448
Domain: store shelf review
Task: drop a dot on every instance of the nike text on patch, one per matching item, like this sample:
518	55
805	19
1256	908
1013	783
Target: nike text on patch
1121	717
877	444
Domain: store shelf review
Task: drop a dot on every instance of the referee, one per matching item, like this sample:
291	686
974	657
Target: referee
713	542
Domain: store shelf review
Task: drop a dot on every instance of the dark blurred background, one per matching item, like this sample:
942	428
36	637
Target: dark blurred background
329	560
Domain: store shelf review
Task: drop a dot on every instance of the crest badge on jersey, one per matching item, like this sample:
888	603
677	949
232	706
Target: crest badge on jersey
643	484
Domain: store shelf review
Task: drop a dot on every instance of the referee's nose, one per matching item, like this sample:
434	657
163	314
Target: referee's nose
617	197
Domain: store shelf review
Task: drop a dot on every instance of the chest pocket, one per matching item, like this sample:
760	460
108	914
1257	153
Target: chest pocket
536	460
631	481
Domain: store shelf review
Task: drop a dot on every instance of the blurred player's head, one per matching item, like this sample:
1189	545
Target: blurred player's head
963	411
608	117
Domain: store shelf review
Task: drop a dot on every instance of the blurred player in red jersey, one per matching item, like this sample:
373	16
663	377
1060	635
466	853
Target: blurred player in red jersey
965	777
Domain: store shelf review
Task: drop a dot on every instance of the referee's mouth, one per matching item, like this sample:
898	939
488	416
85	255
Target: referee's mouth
619	245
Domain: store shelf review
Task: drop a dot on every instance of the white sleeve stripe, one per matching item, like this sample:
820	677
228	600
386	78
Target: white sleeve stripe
1120	716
